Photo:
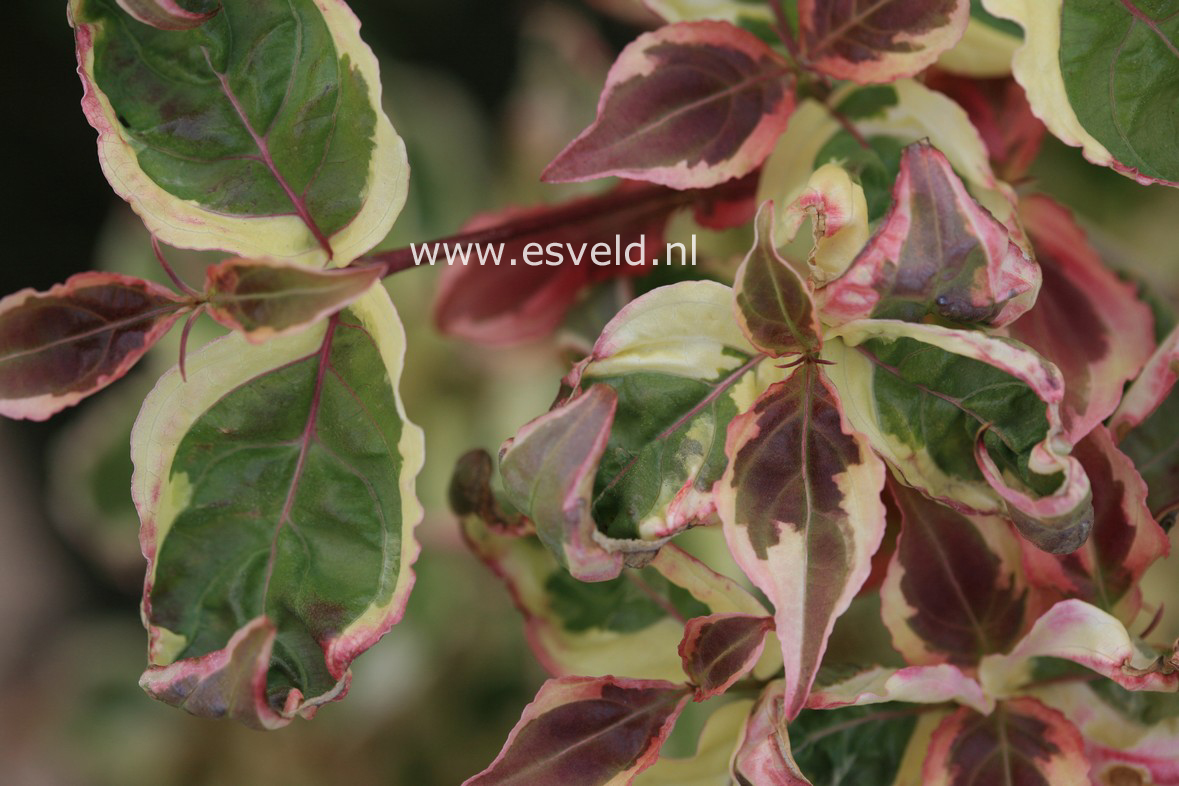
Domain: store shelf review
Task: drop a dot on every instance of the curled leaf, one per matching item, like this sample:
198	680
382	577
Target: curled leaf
774	306
690	105
262	299
548	470
917	684
60	346
938	253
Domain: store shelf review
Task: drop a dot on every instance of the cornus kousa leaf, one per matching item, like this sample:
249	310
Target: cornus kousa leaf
1086	321
1125	540
747	14
589	628
1021	742
690	105
774	306
1151	388
1121	747
171	14
259	132
681	370
954	591
1154	447
709	765
548	471
917	684
985	49
800	502
938	253
1084	634
263	299
853	744
276	494
587	731
720	649
763	755
60	346
838	211
970	420
1102	76
878	40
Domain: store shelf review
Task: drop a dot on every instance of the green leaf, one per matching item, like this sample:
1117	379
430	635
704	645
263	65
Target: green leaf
970	420
276	495
851	745
1103	75
260	132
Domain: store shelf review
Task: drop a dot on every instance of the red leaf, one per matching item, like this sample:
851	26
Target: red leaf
60	346
1086	321
999	110
954	589
1022	743
877	41
581	731
690	105
720	649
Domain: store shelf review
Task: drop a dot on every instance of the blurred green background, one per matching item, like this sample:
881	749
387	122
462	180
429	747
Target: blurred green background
485	92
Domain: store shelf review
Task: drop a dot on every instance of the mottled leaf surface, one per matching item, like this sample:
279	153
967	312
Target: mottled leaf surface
878	40
774	306
1088	322
955	589
260	132
264	299
60	346
582	731
681	370
690	105
720	649
277	485
1022	743
938	253
800	503
971	420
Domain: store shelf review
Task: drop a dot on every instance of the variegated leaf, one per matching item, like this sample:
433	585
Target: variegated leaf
681	370
276	494
172	14
263	299
582	730
972	421
690	105
1076	631
60	346
1088	322
1102	76
548	471
260	132
1151	388
774	305
763	755
938	253
709	765
878	40
838	211
1125	540
719	649
916	684
800	502
955	589
1022	743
